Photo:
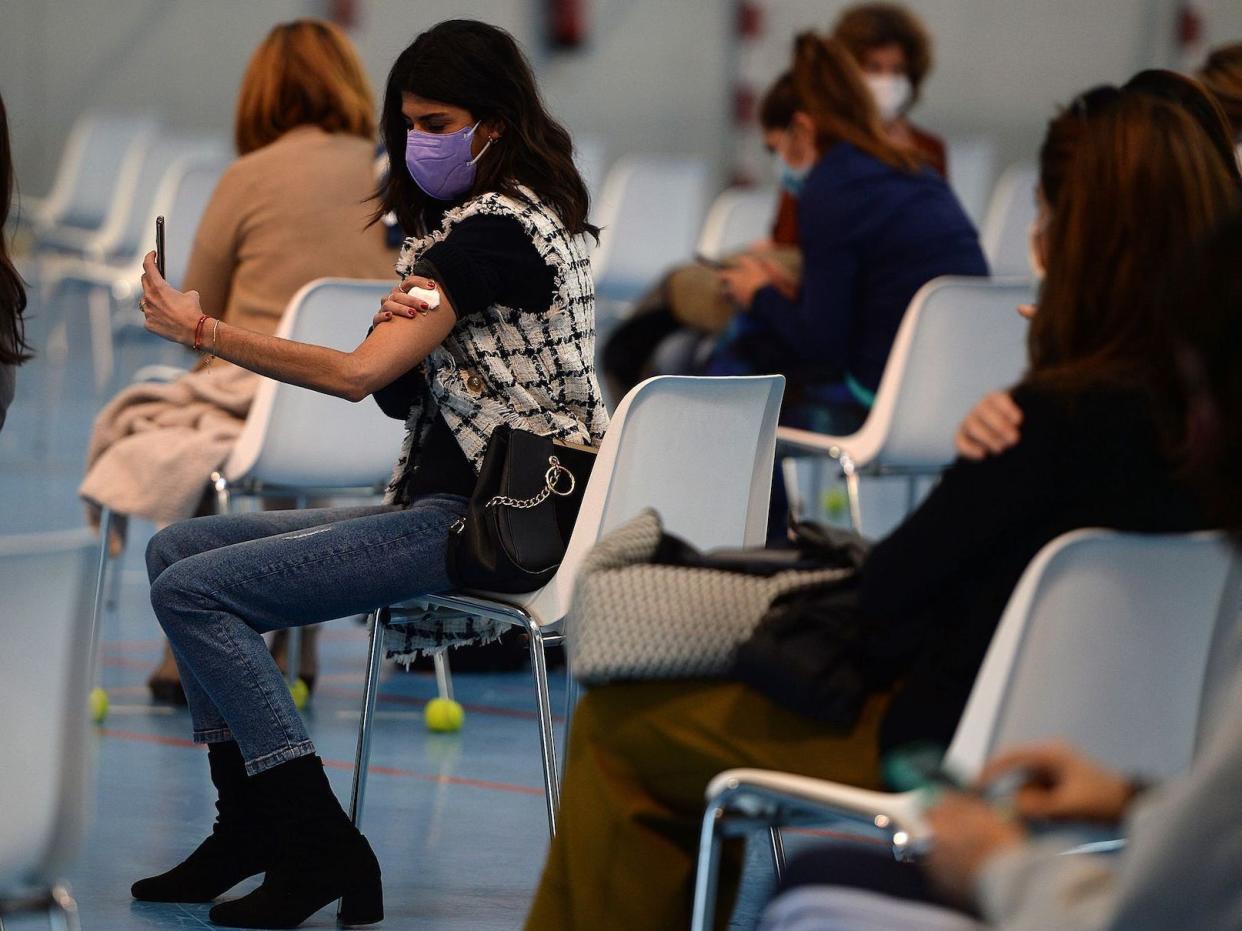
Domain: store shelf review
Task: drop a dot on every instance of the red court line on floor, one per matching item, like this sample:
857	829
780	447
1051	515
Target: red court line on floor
509	787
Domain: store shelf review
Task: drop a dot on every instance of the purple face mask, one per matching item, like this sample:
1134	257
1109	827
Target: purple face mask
440	163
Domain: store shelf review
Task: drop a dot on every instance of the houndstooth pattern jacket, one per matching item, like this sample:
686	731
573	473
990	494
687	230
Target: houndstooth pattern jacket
531	370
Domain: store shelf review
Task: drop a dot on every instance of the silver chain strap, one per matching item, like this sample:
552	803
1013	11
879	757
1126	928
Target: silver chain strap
551	481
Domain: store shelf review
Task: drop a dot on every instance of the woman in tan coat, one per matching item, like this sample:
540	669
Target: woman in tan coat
292	208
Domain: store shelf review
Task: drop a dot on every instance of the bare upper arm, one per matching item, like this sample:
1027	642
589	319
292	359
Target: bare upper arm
397	345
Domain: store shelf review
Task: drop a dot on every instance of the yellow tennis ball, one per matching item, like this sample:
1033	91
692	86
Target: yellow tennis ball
300	692
835	502
98	705
443	715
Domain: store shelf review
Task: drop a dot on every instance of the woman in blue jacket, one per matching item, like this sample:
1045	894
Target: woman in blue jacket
874	223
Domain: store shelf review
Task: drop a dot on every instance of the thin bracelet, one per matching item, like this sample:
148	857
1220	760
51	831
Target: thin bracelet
215	328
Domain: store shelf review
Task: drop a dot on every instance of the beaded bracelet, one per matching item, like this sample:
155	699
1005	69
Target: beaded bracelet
198	333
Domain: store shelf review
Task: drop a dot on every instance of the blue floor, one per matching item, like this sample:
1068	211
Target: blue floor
457	821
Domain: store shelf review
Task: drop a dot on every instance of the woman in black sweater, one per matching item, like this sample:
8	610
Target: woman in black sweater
1142	185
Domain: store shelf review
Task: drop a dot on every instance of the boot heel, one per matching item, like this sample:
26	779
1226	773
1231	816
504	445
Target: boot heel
363	904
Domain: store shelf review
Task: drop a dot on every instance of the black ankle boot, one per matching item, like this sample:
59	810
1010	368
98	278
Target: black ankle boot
239	845
320	856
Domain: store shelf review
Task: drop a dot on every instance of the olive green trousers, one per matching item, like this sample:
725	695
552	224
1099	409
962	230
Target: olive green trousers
640	757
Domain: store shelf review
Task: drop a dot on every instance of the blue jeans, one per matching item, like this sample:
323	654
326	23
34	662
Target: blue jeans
218	583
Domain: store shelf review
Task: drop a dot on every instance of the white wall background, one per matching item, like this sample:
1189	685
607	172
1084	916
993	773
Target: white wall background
655	73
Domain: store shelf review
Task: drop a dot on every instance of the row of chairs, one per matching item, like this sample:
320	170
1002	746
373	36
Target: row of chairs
654	212
117	174
119	171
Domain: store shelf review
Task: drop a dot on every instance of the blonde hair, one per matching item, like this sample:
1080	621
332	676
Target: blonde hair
305	72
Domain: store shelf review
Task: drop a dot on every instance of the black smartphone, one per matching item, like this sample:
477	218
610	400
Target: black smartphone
159	245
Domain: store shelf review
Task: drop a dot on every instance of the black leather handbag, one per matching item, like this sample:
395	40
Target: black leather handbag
513	536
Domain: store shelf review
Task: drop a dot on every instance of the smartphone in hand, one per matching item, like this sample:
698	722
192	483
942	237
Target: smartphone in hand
159	245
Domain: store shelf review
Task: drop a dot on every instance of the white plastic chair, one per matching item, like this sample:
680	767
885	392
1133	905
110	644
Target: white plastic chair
99	159
650	212
299	443
1006	228
698	450
1105	643
351	448
45	676
737	218
972	166
961	338
184	189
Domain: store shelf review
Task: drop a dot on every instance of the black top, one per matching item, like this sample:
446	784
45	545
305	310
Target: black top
485	259
936	587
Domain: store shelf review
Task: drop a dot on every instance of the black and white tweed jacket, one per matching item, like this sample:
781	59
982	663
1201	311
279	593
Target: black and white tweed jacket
531	370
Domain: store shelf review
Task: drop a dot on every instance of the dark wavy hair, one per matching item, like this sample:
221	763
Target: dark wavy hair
1195	98
14	350
1145	185
480	68
1208	344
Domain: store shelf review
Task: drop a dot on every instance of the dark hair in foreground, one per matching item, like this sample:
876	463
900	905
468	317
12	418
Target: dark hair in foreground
1193	97
1144	187
481	69
14	349
1209	343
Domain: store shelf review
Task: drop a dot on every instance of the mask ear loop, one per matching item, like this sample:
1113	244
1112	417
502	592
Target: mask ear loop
482	150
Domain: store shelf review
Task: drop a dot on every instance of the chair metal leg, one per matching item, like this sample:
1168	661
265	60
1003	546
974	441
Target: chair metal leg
63	910
105	531
850	473
366	721
99	305
573	691
778	852
293	654
221	486
547	741
708	871
444	675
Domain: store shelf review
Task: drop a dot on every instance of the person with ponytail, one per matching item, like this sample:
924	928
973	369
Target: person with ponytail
14	349
502	331
874	225
1102	442
894	50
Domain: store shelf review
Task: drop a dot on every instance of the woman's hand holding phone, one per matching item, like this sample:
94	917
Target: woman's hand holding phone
169	313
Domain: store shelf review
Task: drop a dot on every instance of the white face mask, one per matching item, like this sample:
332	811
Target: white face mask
892	93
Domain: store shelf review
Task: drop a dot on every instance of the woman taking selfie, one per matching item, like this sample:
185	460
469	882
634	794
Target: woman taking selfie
1143	184
498	212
